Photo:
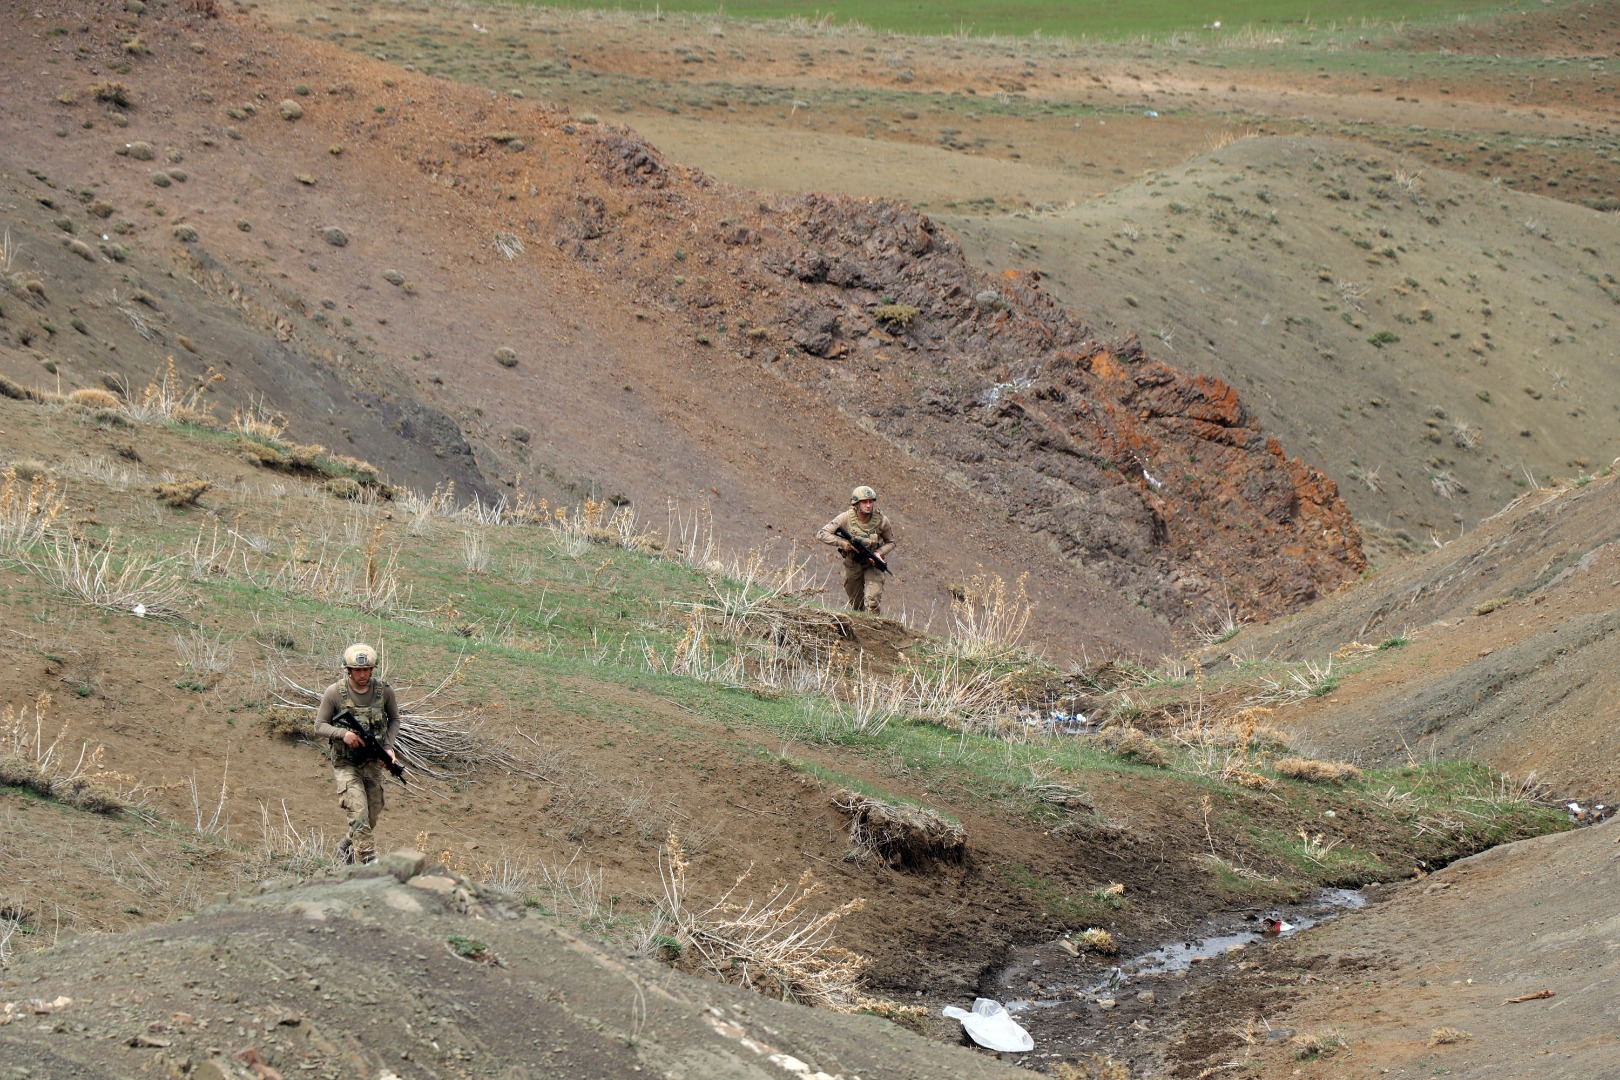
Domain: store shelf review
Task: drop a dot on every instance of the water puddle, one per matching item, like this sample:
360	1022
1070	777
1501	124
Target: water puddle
1226	933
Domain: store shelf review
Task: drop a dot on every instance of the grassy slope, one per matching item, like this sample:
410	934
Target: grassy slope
588	745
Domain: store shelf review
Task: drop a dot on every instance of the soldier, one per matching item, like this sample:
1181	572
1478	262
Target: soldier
863	579
359	782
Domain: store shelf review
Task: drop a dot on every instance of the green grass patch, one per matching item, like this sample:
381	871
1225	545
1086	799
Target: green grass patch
1094	19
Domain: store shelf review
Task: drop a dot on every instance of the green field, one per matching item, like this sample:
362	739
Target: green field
1071	18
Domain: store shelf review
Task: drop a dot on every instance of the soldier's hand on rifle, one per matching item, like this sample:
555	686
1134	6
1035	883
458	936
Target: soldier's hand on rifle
352	740
846	547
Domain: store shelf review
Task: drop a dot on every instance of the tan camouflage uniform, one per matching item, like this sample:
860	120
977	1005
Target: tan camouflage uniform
863	585
359	786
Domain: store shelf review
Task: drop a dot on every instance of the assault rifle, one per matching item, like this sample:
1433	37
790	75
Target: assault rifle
371	748
863	554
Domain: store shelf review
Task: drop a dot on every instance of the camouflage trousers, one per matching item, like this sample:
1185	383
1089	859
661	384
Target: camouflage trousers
864	587
360	793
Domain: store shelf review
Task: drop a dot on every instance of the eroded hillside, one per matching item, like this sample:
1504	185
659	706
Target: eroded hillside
597	319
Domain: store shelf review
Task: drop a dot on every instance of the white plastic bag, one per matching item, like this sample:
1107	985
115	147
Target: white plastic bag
990	1025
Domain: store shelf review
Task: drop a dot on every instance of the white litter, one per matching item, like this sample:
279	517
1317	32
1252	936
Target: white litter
139	611
990	1025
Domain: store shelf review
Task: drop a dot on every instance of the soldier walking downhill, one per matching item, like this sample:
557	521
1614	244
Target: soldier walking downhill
359	780
863	522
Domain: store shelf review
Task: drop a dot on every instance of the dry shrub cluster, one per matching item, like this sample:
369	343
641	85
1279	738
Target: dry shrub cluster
1136	745
1098	1066
170	400
1316	772
775	946
908	836
29	509
125	581
28	761
180	493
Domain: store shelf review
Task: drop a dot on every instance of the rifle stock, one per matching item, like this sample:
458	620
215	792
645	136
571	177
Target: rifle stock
370	744
863	554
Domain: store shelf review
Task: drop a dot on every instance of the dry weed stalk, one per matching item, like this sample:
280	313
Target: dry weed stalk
300	851
773	946
986	623
166	399
28	761
368	580
258	422
133	582
28	509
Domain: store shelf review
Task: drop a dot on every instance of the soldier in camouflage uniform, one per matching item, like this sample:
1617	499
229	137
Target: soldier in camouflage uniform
359	784
863	583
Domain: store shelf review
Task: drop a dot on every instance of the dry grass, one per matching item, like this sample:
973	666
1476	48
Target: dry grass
180	493
91	397
1447	1036
367	579
1136	745
131	582
300	851
1098	940
775	946
1098	1066
27	760
1316	772
986	622
1316	1044
28	509
167	398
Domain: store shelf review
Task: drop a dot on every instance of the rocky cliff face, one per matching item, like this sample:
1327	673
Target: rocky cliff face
1162	482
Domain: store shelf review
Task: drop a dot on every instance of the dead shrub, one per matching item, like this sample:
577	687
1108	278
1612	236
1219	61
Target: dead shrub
344	488
94	398
1098	1066
907	836
284	723
1446	1036
111	92
774	947
16	391
1136	745
180	493
1316	772
1098	940
1316	1044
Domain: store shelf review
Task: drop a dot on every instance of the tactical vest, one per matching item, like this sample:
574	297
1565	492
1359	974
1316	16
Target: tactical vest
871	533
373	717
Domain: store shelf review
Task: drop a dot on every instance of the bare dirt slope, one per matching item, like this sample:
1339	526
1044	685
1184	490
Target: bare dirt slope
1498	966
1511	634
637	304
392	971
1436	341
385	347
1272	264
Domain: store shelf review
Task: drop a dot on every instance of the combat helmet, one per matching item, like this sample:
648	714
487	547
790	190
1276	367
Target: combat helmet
360	655
861	494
